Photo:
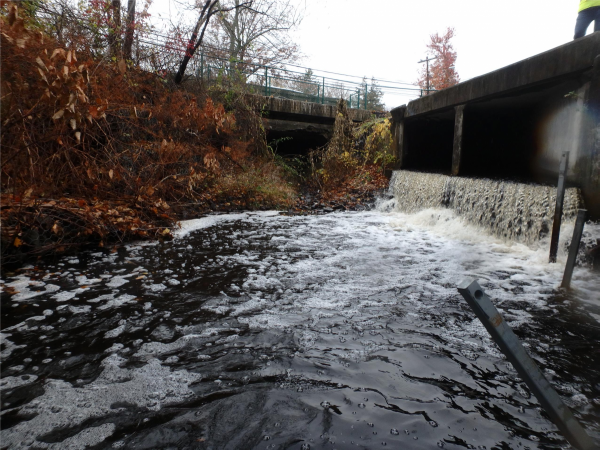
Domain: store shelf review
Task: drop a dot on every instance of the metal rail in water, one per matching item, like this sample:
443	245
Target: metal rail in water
510	345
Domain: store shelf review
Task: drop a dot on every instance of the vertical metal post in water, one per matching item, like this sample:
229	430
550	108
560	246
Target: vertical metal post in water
510	345
577	232
560	197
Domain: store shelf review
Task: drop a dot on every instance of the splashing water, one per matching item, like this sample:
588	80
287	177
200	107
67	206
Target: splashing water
516	211
318	331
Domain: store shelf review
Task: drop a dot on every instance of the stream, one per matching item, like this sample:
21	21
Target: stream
267	331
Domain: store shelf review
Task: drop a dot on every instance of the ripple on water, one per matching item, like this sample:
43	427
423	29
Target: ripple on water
257	327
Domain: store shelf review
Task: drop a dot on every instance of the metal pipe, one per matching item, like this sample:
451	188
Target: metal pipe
560	197
574	249
510	345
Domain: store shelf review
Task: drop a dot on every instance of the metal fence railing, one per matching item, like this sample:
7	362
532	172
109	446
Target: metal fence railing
283	83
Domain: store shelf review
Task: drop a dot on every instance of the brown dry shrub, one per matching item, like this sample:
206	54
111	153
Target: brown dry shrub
263	186
77	129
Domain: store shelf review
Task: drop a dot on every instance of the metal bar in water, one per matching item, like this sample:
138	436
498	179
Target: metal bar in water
510	345
560	197
577	232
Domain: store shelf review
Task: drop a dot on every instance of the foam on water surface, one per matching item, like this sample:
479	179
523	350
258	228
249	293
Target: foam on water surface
278	315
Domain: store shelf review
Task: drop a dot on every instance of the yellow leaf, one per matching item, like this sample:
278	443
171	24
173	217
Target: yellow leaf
140	277
18	242
166	231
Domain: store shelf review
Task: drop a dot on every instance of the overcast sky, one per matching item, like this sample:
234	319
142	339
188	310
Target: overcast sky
386	38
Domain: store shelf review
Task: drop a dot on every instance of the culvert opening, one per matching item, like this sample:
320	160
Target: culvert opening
295	142
429	142
522	136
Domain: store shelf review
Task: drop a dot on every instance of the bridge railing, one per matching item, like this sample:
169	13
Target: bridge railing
283	83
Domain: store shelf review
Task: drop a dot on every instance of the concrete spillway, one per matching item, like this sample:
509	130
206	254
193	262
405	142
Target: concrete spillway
515	211
513	123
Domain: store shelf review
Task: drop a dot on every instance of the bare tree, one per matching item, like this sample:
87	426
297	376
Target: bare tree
337	90
258	35
210	8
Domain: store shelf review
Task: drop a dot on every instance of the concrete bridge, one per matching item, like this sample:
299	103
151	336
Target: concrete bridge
309	125
513	123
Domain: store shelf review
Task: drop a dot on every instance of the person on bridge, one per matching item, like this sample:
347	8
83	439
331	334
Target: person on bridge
589	11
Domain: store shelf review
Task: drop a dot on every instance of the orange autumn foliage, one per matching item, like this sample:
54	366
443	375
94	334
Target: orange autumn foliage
77	129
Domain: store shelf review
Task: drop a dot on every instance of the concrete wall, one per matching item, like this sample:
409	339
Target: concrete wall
286	109
513	123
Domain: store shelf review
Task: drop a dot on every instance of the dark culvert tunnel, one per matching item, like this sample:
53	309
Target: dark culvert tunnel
289	138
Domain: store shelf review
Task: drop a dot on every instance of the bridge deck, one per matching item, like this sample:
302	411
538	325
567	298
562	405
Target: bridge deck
567	60
513	123
295	110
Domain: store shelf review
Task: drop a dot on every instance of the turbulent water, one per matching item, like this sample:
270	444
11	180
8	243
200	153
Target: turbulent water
266	331
515	211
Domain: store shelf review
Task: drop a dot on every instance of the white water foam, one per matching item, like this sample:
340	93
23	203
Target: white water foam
63	405
188	226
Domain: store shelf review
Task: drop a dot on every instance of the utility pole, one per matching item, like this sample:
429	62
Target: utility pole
426	60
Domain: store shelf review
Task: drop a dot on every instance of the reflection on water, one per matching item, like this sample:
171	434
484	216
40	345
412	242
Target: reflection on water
267	331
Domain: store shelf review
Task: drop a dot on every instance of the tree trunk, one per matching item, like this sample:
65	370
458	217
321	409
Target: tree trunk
233	51
129	30
114	38
189	52
195	41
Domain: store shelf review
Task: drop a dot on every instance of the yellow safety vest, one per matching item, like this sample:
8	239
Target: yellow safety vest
585	4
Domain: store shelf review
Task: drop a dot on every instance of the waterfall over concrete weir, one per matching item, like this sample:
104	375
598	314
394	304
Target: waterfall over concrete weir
516	211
